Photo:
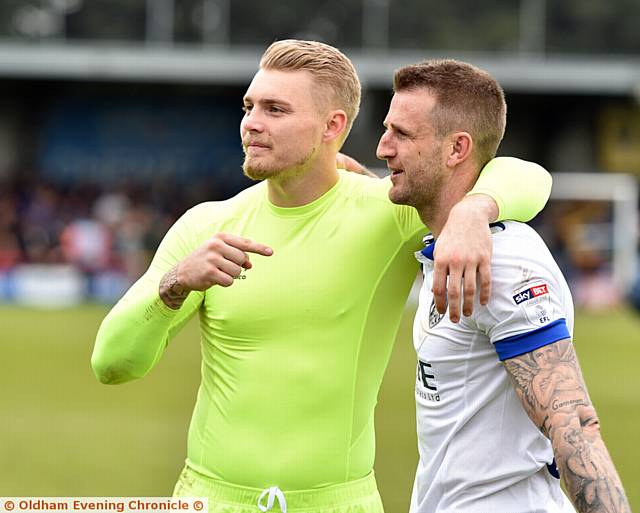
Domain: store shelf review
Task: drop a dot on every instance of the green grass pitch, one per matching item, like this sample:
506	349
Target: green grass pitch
64	434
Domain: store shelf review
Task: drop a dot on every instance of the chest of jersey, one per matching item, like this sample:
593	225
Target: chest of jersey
455	362
324	272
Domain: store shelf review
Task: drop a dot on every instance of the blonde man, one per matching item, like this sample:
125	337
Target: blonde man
295	340
490	435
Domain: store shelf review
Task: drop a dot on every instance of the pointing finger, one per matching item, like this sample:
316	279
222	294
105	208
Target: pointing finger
245	244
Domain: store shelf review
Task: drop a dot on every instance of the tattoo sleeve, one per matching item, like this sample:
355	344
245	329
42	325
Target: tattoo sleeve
550	385
171	292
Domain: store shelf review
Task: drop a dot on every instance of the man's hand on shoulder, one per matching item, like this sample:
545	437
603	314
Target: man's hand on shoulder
350	164
218	261
463	253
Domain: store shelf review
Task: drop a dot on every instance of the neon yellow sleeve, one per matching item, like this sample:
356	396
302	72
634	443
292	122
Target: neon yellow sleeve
520	188
134	334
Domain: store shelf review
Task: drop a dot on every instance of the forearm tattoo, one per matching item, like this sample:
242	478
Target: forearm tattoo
552	390
171	292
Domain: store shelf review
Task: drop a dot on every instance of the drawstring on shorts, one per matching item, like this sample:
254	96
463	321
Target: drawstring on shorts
273	493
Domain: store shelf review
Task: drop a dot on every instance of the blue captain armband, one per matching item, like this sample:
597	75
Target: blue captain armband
526	342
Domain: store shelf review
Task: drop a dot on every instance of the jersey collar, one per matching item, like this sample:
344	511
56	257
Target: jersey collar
429	241
425	255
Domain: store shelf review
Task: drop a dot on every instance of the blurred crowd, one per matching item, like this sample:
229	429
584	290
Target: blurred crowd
110	233
96	229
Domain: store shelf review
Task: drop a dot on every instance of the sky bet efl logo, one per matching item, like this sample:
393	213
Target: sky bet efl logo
530	293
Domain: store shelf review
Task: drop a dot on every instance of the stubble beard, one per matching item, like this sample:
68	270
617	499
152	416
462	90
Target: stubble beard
423	191
255	171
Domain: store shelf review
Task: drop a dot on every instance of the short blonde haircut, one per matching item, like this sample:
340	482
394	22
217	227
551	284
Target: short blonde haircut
467	98
327	65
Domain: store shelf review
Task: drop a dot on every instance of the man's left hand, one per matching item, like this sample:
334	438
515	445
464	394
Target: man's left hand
463	253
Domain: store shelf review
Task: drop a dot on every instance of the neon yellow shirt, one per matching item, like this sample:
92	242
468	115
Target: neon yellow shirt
295	350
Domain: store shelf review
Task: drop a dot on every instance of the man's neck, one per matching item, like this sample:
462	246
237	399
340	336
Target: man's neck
298	189
454	190
435	216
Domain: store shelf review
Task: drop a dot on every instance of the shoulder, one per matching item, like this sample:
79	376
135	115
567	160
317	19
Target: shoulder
521	260
528	289
365	186
505	232
250	196
516	245
372	195
210	216
524	274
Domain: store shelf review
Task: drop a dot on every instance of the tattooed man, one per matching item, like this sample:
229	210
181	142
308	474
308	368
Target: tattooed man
492	435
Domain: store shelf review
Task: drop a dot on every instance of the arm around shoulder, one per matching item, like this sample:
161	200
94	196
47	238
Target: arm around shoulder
520	188
507	188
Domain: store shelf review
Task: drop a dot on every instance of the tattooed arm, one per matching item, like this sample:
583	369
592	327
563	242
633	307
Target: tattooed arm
217	262
133	336
550	385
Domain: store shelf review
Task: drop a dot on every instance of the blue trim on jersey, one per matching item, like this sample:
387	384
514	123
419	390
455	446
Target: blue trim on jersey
525	342
553	469
428	250
430	247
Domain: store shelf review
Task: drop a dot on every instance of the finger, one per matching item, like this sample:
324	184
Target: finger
221	278
217	248
228	267
485	282
453	292
469	292
245	244
440	286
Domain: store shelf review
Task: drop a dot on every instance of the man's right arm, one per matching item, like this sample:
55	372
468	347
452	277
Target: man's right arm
555	397
134	334
132	337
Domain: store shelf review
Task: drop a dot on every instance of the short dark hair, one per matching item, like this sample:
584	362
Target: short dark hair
467	98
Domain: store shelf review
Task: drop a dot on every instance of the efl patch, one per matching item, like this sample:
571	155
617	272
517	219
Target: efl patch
531	293
535	302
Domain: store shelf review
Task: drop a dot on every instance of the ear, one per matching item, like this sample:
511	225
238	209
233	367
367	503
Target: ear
461	146
335	126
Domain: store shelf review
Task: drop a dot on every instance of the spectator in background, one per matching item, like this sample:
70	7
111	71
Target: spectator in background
10	252
86	243
40	224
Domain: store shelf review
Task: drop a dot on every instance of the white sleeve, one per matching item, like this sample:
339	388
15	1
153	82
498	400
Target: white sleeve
530	303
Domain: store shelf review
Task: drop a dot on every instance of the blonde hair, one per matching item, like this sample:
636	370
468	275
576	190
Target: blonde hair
467	98
328	66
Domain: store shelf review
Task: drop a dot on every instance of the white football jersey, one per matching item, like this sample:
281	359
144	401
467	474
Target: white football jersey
479	451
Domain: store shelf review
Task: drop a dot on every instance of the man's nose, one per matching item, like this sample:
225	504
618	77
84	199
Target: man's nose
385	149
252	122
